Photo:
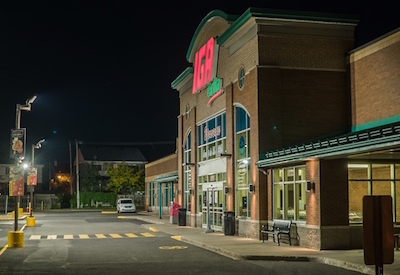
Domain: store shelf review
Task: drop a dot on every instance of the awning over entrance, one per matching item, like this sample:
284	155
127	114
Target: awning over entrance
383	140
167	178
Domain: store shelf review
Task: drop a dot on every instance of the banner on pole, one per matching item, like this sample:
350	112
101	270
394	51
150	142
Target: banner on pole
16	186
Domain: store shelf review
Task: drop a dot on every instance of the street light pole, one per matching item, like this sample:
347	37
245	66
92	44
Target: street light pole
19	108
34	146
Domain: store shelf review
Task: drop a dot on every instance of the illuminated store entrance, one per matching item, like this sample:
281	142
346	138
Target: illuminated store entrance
213	205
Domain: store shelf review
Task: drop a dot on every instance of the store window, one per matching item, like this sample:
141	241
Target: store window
187	173
289	195
241	77
372	179
211	138
242	161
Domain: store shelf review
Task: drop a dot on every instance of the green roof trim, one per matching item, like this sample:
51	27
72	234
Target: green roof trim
167	178
285	14
376	123
214	13
182	76
378	138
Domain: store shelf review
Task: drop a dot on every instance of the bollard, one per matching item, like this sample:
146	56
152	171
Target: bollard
41	205
16	239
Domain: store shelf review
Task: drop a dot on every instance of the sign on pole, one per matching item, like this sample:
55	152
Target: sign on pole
16	186
17	144
32	176
378	231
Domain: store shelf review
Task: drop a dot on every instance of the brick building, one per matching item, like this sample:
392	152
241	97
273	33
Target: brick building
273	112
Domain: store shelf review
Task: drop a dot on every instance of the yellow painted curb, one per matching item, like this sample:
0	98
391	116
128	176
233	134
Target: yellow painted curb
30	221
15	239
178	238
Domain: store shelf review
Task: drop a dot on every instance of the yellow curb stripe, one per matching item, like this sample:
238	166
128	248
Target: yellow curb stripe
51	237
115	235
83	236
153	229
121	217
147	234
100	236
178	238
131	235
68	237
3	249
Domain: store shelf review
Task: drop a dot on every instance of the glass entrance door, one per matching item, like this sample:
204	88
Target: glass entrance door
212	206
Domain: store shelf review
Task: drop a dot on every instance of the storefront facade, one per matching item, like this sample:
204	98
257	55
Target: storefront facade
270	108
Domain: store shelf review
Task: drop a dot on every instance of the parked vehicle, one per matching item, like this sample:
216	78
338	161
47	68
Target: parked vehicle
126	205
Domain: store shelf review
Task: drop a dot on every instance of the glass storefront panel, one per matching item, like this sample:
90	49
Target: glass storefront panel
289	201
278	202
278	175
358	171
397	171
380	188
381	171
301	201
242	202
357	191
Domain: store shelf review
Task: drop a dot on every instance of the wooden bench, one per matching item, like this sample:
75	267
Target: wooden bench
278	228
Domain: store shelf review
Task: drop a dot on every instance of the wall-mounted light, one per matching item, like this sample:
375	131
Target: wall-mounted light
226	189
188	164
310	186
252	188
191	191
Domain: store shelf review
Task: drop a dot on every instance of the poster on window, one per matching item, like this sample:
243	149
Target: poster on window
32	177
16	184
241	174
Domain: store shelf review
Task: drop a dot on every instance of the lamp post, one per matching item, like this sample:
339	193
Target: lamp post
19	108
34	146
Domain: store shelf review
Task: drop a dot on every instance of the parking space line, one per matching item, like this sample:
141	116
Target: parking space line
35	237
131	235
115	235
83	236
153	229
147	234
51	237
68	237
100	236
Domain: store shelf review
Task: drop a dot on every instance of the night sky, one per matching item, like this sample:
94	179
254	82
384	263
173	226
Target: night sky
102	70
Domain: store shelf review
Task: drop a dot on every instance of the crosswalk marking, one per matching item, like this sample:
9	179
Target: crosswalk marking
94	236
147	234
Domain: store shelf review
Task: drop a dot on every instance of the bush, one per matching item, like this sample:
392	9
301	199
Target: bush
86	198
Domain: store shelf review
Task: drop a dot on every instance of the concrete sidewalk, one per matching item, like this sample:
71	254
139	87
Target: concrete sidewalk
250	249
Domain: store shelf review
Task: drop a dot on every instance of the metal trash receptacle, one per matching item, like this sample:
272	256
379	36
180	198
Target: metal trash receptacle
182	217
229	223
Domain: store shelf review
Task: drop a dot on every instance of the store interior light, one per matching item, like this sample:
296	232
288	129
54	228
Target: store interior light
355	165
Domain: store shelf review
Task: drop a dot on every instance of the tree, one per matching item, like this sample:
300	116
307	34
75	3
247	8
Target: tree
90	178
125	179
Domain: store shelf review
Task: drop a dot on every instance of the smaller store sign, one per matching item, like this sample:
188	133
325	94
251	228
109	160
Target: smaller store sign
17	143
32	176
211	133
214	90
16	184
241	174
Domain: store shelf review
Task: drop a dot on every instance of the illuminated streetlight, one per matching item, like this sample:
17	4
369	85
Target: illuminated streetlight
34	146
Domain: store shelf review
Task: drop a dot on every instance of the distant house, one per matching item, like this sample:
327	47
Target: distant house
102	156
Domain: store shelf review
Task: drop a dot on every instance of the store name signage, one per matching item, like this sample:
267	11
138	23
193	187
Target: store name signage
205	65
211	133
214	90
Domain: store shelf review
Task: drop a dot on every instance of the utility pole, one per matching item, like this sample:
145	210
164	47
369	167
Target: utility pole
77	175
70	168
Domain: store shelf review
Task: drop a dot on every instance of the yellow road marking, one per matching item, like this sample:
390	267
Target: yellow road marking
100	236
83	236
153	229
131	235
116	235
121	217
35	237
3	249
51	237
147	234
178	238
68	237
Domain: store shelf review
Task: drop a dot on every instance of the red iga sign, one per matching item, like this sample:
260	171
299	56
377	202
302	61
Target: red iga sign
205	65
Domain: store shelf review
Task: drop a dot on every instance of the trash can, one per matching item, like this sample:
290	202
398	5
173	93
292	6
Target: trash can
182	217
229	223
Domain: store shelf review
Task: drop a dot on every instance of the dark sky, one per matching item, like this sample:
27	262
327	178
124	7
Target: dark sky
102	69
